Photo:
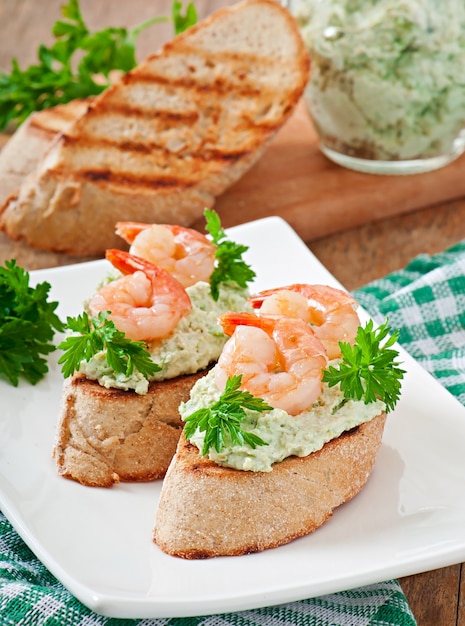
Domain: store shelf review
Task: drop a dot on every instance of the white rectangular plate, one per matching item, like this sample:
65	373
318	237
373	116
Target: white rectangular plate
409	518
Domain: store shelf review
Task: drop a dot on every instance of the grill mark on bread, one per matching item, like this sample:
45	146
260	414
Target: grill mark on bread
241	70
126	180
220	87
120	178
204	154
165	118
127	111
207	154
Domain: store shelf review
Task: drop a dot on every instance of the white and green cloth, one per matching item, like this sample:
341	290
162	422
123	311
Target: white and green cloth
426	302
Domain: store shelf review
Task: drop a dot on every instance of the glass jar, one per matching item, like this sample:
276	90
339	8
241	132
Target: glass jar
387	85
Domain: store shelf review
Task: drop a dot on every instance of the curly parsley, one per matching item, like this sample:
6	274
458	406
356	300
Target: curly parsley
230	265
96	334
27	325
221	422
369	369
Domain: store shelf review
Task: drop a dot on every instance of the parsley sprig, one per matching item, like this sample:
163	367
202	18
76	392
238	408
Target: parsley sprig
230	266
183	22
27	325
369	369
96	334
58	77
221	422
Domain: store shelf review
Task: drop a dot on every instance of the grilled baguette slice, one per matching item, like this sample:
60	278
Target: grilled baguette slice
206	510
162	143
105	436
24	150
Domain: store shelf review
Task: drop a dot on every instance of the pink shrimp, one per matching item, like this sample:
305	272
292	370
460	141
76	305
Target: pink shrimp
280	359
330	312
146	303
183	252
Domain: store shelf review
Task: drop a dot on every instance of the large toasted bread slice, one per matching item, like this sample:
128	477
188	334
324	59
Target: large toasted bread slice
170	136
206	510
24	150
105	436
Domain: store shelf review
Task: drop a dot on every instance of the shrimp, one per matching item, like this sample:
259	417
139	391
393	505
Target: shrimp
331	312
146	303
183	252
280	359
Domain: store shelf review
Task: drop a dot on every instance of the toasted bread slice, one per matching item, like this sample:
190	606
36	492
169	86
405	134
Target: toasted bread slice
24	150
206	510
105	436
162	143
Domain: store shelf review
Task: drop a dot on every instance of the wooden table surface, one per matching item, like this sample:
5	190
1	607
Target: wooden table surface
356	251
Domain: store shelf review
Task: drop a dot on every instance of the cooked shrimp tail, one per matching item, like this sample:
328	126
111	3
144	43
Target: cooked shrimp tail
129	230
231	320
128	263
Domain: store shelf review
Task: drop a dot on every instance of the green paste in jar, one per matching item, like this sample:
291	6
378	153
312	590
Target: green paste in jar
388	76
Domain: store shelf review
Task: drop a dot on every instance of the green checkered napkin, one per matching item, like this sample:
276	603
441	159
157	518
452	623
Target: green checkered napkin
31	596
426	302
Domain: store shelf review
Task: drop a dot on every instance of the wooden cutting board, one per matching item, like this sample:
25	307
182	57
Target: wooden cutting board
317	197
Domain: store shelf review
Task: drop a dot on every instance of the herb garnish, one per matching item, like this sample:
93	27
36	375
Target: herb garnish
221	422
27	325
58	78
96	334
183	22
369	369
230	265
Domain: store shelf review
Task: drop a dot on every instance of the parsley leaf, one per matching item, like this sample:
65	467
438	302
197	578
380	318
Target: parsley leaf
27	325
97	334
221	421
230	265
59	77
369	369
183	22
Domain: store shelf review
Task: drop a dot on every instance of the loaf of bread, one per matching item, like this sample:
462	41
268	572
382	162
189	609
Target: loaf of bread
105	436
206	510
275	439
28	145
123	424
162	143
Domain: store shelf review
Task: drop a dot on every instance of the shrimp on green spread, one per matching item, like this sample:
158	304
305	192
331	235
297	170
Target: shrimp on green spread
145	303
280	359
183	252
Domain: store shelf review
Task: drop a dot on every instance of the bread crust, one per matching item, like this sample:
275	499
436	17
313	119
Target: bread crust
162	143
206	510
26	147
105	436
